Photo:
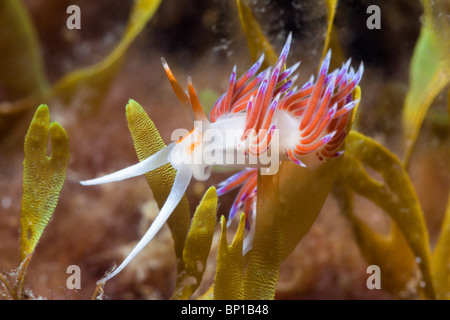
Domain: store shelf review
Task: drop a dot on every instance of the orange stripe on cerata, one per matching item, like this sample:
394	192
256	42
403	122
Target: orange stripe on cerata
179	92
196	107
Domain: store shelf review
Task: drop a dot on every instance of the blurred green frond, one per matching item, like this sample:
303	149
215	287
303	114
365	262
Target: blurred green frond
331	37
429	70
396	196
21	67
256	41
22	71
441	258
101	74
22	75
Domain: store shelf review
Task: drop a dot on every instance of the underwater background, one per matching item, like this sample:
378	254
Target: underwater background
95	228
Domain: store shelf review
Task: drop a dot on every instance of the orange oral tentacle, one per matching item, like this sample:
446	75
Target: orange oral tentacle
196	107
179	92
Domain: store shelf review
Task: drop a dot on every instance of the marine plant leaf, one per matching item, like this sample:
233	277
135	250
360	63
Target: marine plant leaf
43	177
429	70
441	258
391	252
198	245
448	103
21	68
229	278
331	8
147	141
256	41
100	75
395	195
22	75
331	37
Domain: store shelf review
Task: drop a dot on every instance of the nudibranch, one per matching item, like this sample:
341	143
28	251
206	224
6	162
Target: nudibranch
261	119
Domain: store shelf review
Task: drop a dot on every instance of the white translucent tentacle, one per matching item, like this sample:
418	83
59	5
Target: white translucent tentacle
151	163
179	187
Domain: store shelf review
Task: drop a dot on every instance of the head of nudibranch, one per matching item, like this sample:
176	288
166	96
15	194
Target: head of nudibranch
262	118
